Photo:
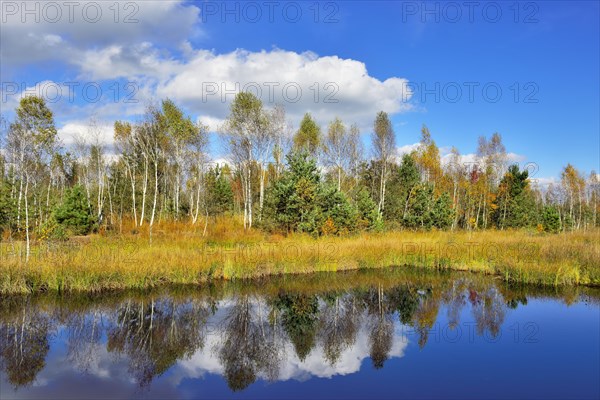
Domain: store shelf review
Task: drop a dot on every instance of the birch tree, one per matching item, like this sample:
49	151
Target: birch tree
241	130
338	148
32	142
384	144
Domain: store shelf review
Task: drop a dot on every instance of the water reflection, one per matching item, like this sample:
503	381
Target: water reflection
25	343
288	328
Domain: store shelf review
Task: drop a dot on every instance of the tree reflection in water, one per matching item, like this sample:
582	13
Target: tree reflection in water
258	331
24	344
299	317
155	334
339	321
250	344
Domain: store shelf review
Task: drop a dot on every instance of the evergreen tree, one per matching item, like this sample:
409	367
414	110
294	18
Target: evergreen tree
404	180
338	214
8	209
300	202
419	212
551	219
442	213
75	214
367	216
514	204
220	194
293	201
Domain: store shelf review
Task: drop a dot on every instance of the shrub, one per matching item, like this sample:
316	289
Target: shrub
551	219
74	213
367	215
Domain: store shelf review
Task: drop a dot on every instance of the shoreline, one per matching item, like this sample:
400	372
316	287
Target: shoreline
104	263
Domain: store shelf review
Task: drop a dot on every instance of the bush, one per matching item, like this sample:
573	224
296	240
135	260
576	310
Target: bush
551	219
8	209
335	206
368	216
74	214
443	213
292	202
300	202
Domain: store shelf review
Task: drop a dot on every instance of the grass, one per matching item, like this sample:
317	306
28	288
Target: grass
179	254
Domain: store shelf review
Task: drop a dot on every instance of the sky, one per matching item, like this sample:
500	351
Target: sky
527	70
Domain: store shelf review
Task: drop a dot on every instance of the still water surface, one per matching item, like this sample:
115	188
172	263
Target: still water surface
374	334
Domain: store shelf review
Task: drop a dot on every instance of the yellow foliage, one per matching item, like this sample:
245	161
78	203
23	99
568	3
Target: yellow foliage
328	227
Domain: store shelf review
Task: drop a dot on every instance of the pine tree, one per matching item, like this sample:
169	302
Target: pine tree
220	194
551	219
74	214
420	206
336	209
442	213
514	204
292	204
367	216
401	189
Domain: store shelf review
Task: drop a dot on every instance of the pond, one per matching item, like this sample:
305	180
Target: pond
396	333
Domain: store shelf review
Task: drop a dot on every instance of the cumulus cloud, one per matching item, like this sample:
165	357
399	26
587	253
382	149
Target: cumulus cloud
154	52
72	131
206	83
406	149
326	86
350	360
63	31
544	182
292	368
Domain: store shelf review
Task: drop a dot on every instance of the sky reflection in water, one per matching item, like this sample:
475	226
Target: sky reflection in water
382	334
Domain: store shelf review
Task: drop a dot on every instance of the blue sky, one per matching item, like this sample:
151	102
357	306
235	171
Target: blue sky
395	56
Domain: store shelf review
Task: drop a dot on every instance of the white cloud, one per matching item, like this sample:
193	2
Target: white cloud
515	158
207	82
205	361
406	149
155	54
326	86
34	36
71	131
212	123
465	160
544	182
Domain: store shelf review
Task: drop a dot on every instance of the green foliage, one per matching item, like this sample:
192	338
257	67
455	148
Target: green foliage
406	302
300	202
52	230
220	195
370	178
8	209
551	219
401	186
367	216
514	205
336	210
300	316
159	172
292	204
74	214
442	213
420	205
34	117
308	137
425	211
246	114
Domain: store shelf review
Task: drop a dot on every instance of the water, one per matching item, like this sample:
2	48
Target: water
375	334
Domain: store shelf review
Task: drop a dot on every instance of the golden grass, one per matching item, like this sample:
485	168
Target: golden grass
179	254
